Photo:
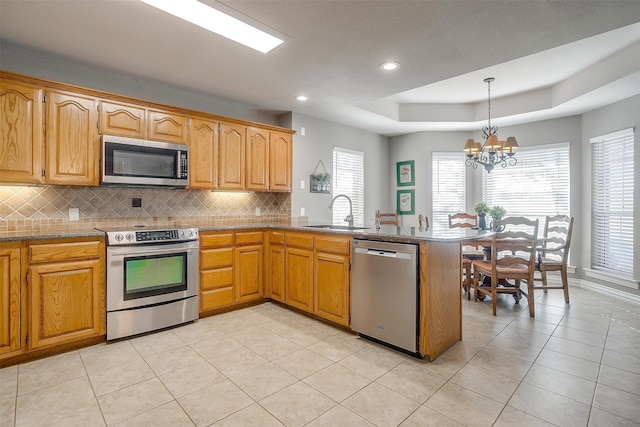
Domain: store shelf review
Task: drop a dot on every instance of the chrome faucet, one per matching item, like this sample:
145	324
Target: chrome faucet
349	217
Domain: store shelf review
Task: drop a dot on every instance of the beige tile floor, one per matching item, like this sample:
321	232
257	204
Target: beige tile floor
573	365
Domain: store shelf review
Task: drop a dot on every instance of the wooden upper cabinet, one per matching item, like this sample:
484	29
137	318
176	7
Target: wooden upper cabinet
280	161
122	119
167	127
21	126
257	170
232	154
203	154
72	142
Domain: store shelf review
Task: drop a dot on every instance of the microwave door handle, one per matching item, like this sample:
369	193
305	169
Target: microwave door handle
177	173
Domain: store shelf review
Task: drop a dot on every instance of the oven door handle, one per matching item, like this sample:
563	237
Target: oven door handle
170	250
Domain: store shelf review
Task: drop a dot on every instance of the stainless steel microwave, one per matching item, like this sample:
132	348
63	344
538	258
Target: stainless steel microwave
130	161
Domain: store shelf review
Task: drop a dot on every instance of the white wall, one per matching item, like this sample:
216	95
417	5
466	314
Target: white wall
23	61
418	147
317	144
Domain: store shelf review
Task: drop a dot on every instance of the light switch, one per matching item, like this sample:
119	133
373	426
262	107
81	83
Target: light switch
303	131
302	212
302	184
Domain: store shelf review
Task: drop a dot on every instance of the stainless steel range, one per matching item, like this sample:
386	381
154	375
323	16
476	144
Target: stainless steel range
152	279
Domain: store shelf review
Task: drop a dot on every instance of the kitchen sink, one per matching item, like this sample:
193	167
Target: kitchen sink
336	227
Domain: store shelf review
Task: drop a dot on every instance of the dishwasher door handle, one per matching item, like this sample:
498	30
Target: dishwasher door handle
383	253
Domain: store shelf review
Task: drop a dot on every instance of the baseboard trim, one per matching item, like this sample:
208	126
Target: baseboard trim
596	287
605	290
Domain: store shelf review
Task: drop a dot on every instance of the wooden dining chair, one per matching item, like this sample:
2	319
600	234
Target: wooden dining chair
470	250
513	257
554	253
387	218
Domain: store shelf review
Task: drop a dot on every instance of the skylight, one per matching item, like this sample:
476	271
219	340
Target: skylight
215	20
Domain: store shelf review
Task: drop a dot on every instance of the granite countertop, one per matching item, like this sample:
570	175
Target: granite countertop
388	233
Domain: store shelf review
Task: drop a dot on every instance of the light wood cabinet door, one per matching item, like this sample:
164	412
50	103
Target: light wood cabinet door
275	272
167	127
331	287
299	278
257	154
121	119
21	122
231	157
248	267
67	302
203	154
11	313
280	161
72	139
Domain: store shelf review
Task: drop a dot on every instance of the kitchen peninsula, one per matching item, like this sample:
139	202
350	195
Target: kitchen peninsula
303	267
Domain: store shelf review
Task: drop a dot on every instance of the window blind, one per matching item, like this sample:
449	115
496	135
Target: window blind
612	176
448	187
348	179
536	187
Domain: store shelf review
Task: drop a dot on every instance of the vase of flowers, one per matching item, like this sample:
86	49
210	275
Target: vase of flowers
482	210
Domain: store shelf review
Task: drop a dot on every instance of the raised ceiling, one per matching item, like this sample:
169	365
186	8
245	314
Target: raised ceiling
550	58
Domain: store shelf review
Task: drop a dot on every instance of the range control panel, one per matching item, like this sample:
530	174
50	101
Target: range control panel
134	237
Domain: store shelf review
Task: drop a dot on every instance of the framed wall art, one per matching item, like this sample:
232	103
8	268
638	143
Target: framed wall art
405	173
406	202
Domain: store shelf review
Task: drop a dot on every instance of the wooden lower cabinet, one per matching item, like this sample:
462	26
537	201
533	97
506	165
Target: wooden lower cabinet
67	291
12	325
216	271
248	265
298	290
275	260
332	278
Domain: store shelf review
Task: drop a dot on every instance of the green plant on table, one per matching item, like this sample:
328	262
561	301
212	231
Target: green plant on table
481	208
497	212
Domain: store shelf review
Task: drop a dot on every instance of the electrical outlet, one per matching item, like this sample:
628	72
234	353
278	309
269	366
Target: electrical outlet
74	214
136	202
302	212
257	211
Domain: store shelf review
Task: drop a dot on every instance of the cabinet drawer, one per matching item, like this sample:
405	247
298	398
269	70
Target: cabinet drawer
64	251
299	240
249	237
216	258
216	298
332	244
276	237
216	279
215	240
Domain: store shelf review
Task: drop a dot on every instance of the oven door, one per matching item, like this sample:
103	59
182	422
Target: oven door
150	274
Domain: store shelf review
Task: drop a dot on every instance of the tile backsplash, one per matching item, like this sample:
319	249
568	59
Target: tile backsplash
25	206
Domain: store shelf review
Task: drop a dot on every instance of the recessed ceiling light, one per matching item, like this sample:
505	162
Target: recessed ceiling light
389	66
223	21
301	98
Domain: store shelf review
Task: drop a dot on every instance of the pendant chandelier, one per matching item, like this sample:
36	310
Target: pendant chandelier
493	151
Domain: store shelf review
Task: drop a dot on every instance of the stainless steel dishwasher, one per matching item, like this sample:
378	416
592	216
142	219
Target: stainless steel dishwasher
384	292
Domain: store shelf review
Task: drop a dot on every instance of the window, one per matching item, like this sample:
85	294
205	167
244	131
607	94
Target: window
536	187
348	179
448	187
612	178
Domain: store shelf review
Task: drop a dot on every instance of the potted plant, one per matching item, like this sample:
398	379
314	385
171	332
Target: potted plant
497	213
482	210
